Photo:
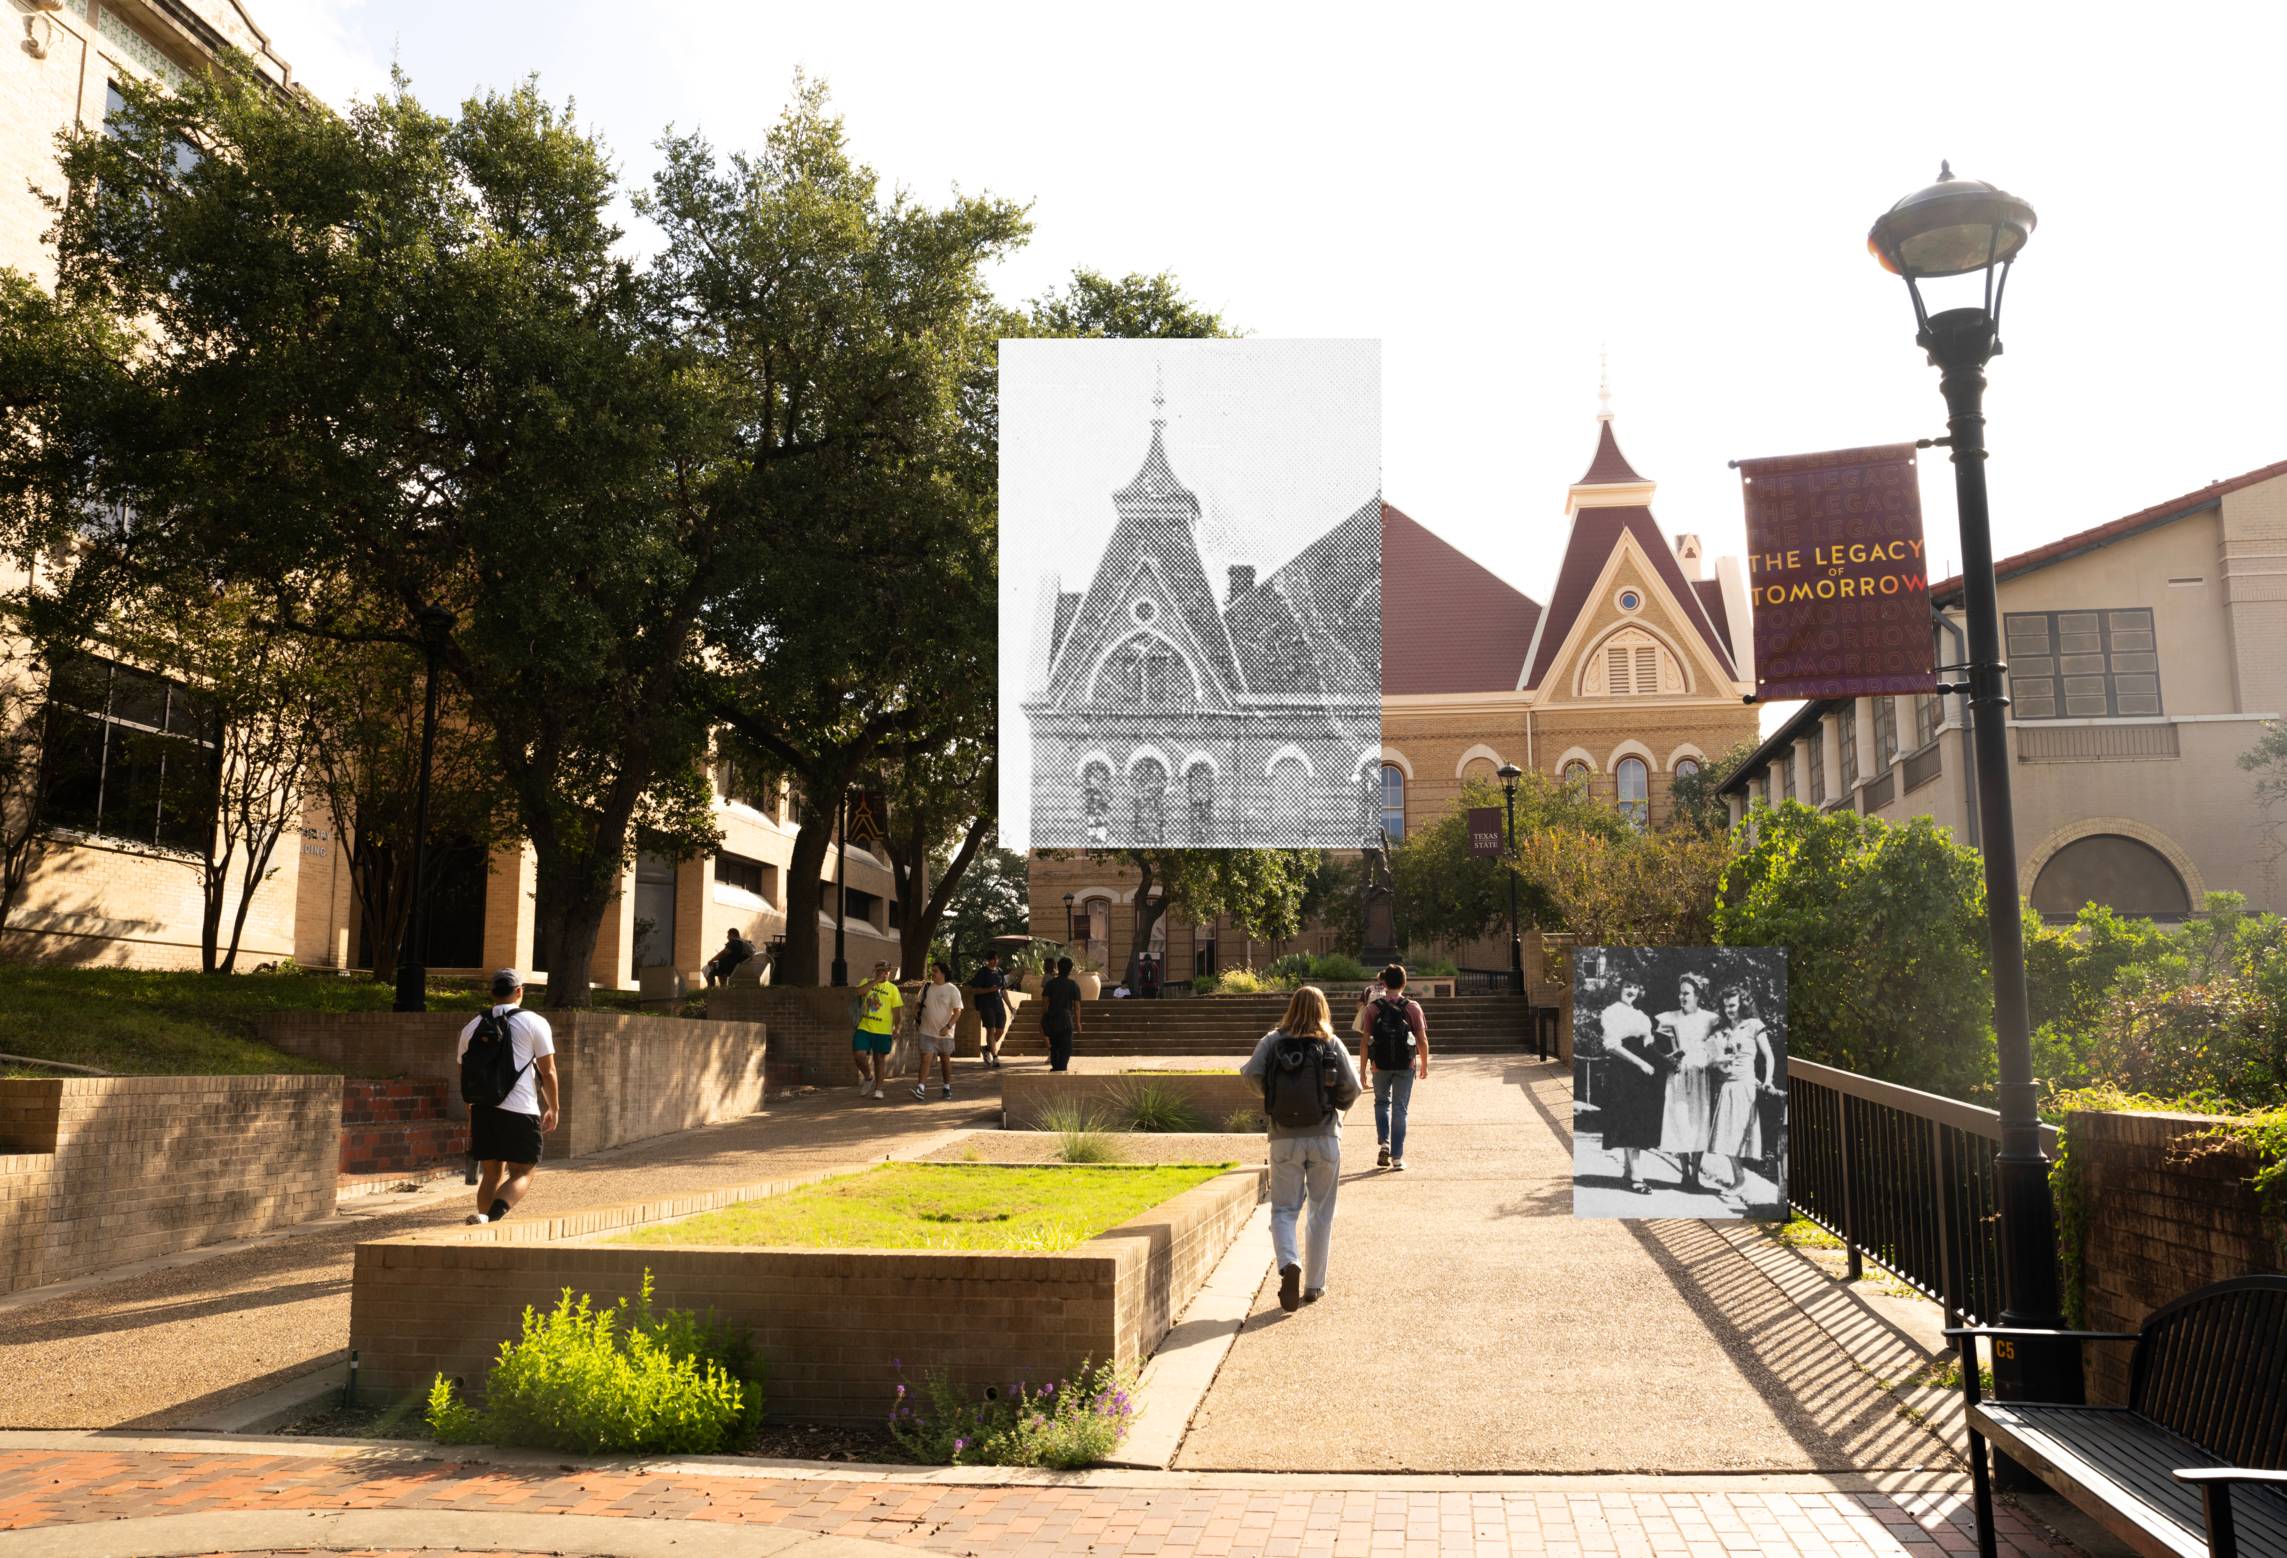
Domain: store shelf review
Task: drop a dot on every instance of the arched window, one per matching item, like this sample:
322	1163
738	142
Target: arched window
1393	800
1686	767
2109	868
1635	782
1575	776
1199	799
1096	799
1146	672
1150	780
1290	803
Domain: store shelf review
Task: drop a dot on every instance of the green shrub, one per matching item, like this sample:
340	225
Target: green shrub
1082	1135
1432	968
1147	1105
1240	1122
616	1378
1066	1424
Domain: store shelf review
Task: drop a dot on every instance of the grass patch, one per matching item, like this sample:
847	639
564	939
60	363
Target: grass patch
1804	1234
941	1206
153	1022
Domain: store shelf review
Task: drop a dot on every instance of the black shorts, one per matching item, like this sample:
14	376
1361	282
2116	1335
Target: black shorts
499	1136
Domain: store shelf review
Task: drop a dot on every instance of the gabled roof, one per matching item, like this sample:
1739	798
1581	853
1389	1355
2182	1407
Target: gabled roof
1333	591
1595	532
1610	467
1948	591
1448	623
1710	593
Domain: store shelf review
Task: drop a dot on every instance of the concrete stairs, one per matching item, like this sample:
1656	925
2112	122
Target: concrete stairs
1231	1024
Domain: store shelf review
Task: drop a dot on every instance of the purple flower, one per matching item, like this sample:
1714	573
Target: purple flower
959	1445
1050	1389
901	1392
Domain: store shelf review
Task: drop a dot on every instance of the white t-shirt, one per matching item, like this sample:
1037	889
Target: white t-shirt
529	1037
940	1004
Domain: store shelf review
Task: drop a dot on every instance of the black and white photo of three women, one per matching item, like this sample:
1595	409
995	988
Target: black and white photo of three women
1689	1083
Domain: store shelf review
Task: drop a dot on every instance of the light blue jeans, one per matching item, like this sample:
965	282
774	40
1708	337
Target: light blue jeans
1305	1167
1393	1091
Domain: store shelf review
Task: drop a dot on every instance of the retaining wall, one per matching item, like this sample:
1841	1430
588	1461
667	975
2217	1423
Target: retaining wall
1025	1095
621	1077
810	1025
831	1325
2165	1213
101	1171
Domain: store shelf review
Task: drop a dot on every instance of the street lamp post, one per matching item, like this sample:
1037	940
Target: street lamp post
1510	773
841	883
1964	227
435	624
1071	926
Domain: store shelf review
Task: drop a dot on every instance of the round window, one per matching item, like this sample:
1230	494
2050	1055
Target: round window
1143	611
1630	600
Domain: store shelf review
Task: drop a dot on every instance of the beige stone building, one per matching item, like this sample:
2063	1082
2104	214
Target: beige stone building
126	802
1633	673
2144	656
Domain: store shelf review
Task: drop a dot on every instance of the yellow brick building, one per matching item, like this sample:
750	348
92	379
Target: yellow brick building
1633	672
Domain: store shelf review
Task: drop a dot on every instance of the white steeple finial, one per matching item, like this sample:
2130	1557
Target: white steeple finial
1158	396
1603	386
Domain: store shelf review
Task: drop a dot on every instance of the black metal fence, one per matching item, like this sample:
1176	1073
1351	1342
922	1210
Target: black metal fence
1482	981
1905	1179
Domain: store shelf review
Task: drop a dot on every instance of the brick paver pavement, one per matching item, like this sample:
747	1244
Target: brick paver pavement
1165	1516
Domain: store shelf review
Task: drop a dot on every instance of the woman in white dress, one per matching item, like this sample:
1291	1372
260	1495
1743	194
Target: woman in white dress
1687	1119
1741	1044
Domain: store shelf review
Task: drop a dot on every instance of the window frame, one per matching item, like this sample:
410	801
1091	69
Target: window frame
1383	808
166	738
2052	654
1638	810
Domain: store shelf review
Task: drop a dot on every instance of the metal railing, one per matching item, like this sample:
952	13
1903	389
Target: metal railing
1483	981
1905	1179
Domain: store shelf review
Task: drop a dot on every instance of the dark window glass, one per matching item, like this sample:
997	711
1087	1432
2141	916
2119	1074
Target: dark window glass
1787	776
73	783
740	872
129	755
1199	788
1846	734
1635	789
1150	781
2082	664
1926	720
861	905
1818	767
1393	800
1885	731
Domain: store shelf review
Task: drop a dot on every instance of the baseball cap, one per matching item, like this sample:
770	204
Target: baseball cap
506	981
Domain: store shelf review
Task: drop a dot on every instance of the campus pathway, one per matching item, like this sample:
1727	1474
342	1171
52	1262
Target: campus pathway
160	1348
1472	1324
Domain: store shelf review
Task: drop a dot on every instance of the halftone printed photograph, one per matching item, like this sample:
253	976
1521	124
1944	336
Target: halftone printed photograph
1190	594
1679	1061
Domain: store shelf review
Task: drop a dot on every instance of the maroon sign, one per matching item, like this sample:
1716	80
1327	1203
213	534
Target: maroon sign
868	817
1485	830
1837	575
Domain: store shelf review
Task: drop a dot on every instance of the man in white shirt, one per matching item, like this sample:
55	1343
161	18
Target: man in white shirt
505	1137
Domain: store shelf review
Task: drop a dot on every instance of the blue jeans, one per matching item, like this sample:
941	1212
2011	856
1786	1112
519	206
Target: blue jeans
1305	1167
1393	1090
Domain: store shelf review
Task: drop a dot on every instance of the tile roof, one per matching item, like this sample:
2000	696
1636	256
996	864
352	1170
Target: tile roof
1448	623
1595	532
1710	593
1947	591
1610	466
1331	595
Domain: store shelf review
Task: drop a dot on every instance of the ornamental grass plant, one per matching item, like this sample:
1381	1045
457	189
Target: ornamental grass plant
1147	1104
1082	1134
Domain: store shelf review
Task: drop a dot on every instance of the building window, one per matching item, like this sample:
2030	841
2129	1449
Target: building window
1199	799
1846	738
1150	779
2082	664
748	876
1393	800
1686	767
1885	732
1787	775
1818	765
1635	780
129	755
1096	799
1926	720
861	905
746	783
1575	777
1631	671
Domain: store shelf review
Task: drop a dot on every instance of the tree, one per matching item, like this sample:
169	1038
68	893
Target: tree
23	697
993	899
1447	895
399	350
2267	760
1888	971
1630	890
937	827
1135	307
1695	801
1262	891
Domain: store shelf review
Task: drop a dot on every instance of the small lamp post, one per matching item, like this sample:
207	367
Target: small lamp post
1967	228
436	626
1510	773
1071	926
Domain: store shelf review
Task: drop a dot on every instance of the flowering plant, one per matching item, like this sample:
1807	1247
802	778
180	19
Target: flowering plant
1065	1424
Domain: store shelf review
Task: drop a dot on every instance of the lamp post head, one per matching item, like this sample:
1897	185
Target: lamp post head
435	623
1954	227
1509	774
1067	900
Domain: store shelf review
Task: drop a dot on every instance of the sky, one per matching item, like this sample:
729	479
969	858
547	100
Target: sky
1278	439
1506	196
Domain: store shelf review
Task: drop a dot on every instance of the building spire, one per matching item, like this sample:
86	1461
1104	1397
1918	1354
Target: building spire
1603	385
1158	396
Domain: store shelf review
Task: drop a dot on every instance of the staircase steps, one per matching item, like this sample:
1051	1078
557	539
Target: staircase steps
1231	1025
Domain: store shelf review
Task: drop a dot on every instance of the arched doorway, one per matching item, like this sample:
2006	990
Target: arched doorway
2122	873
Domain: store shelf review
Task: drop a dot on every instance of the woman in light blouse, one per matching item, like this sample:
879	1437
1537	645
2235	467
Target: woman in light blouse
1687	1117
1633	1093
1741	1048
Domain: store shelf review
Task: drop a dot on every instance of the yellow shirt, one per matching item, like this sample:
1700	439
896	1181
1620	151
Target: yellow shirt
882	1001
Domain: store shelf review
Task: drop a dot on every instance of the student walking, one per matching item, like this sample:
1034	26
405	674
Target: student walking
1397	1052
1308	1080
990	988
940	1014
1060	1014
878	1006
508	1080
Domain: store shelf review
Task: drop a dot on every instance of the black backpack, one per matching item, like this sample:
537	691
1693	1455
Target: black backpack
1390	1040
1298	1084
489	1071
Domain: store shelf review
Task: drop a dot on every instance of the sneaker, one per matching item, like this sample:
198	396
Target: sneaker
948	1091
1398	1165
1290	1288
920	1093
1382	1158
475	1218
1314	1295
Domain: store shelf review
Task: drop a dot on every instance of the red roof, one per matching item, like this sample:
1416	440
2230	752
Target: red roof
1949	590
1595	532
1610	466
1448	625
1710	593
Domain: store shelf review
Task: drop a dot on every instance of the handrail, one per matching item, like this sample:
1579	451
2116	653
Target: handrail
1974	1118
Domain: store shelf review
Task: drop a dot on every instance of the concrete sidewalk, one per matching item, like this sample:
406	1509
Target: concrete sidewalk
1472	1323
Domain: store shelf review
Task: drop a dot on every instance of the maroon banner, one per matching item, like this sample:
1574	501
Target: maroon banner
1837	574
869	817
1485	830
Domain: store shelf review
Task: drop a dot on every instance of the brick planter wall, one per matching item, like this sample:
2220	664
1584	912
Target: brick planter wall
2164	1216
810	1025
1026	1094
101	1171
623	1077
400	1124
829	1323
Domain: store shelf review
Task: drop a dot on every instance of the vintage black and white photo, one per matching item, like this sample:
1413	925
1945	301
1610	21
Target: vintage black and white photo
1190	580
1679	1082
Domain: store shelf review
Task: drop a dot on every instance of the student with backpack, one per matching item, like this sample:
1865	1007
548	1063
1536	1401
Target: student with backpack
508	1080
1397	1051
1308	1080
1060	1014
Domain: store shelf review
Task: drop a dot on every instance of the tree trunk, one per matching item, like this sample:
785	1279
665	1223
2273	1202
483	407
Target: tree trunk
214	881
575	886
921	926
804	890
1149	908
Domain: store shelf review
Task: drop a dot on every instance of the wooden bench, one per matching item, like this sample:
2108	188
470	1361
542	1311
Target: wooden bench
2192	1465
